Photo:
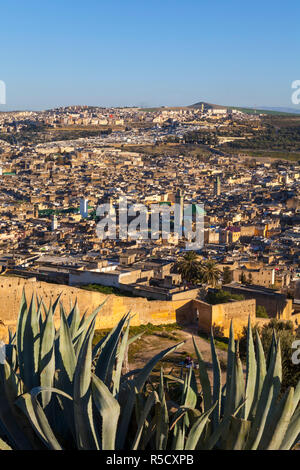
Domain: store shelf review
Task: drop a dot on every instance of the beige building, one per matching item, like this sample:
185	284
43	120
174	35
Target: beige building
261	277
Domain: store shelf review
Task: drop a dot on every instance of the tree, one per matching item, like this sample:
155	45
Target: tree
222	297
189	267
210	273
261	312
227	276
243	278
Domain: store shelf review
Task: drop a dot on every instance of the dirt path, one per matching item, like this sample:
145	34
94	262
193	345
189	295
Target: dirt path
150	345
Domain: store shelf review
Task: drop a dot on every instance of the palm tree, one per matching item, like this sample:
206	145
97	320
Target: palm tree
210	274
189	267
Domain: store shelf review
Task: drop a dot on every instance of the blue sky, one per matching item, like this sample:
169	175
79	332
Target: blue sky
166	52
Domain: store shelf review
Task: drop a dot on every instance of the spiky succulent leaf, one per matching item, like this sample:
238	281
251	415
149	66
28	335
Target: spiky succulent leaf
204	380
128	398
109	410
83	414
251	371
217	383
47	359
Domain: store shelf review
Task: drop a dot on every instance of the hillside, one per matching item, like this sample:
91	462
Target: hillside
261	110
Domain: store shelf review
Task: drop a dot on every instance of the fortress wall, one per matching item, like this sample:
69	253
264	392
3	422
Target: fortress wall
205	314
219	316
276	304
144	311
237	311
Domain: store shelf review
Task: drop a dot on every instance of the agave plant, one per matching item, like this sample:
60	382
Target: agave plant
248	412
59	391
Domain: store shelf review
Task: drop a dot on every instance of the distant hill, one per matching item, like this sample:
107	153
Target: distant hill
281	109
260	110
206	106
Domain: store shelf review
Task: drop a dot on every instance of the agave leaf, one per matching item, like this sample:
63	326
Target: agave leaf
56	302
162	418
239	430
83	327
222	430
107	357
179	436
296	398
120	360
204	380
74	319
47	359
272	350
292	433
177	416
151	400
174	378
134	338
29	404
278	425
11	355
4	445
268	398
11	337
83	415
66	364
67	357
22	317
14	423
100	345
238	384
109	410
143	375
234	395
137	384
197	429
190	398
82	319
217	384
250	373
31	345
39	315
260	374
230	371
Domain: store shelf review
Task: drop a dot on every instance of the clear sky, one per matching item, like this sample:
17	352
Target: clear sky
149	52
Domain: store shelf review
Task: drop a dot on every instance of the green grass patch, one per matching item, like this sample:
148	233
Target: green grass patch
164	331
220	341
107	290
